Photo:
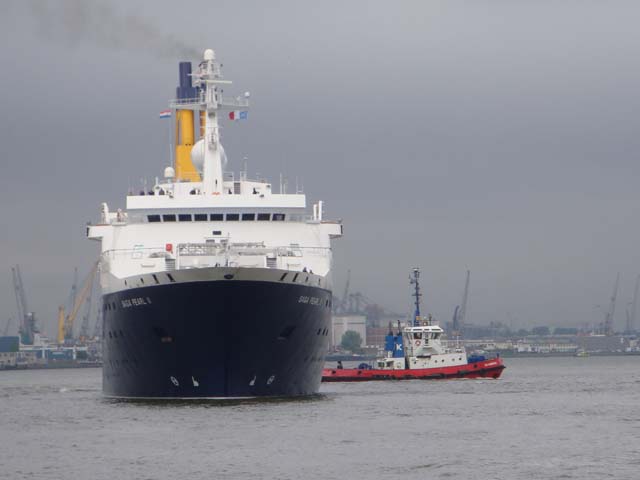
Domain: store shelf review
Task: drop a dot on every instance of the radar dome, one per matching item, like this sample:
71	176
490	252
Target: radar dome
169	172
208	54
197	155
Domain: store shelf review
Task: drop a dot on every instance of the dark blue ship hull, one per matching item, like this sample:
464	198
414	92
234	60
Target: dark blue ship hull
215	339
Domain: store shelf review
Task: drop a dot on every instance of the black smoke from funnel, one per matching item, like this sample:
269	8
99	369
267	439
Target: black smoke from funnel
99	23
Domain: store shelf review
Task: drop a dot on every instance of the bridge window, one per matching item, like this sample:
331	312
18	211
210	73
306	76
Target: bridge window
153	218
264	217
200	217
248	216
169	218
278	217
233	217
216	217
184	217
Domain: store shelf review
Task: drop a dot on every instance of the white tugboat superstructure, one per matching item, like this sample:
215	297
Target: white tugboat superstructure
205	260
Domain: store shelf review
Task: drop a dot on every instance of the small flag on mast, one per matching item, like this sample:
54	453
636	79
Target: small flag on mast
165	114
238	115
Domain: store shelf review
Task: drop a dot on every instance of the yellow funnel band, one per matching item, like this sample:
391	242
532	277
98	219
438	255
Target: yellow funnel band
185	171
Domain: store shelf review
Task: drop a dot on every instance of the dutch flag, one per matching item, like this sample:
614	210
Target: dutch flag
238	115
165	114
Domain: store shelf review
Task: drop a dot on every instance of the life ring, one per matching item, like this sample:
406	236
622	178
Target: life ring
418	342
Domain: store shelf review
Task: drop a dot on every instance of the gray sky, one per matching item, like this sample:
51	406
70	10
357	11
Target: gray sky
499	136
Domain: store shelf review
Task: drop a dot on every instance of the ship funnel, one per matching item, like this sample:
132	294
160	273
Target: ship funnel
185	127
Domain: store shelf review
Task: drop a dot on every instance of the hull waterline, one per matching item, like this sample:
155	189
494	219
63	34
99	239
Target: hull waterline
484	369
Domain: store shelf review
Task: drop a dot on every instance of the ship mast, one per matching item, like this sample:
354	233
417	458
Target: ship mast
209	103
207	78
415	281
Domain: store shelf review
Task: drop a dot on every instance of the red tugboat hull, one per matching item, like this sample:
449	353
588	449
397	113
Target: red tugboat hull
491	368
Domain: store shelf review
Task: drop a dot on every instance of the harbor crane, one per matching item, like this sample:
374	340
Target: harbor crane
7	325
342	305
26	319
84	326
632	320
608	318
65	323
461	310
97	327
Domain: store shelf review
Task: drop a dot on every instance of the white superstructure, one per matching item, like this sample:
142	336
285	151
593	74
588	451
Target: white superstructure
423	348
217	227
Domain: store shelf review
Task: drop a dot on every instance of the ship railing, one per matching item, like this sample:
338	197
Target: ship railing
201	255
452	345
190	103
247	249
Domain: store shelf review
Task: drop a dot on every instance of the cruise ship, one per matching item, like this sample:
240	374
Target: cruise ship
214	285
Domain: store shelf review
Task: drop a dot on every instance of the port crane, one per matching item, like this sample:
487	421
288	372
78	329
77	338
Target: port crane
631	323
65	323
7	325
26	319
608	318
84	326
341	305
97	328
461	310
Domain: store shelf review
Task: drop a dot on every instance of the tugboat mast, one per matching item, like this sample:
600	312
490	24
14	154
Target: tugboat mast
416	282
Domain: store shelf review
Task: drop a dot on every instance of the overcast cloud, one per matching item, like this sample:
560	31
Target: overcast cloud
499	136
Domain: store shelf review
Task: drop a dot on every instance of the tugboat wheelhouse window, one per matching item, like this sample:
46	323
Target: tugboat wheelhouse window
233	217
278	217
200	217
169	218
264	217
153	218
216	217
248	216
184	217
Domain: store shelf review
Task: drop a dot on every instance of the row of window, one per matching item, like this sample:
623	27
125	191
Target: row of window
216	217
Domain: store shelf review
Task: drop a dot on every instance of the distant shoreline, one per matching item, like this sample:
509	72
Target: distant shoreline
504	354
51	366
336	358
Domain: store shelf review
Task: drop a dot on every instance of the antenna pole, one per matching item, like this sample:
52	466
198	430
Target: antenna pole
415	280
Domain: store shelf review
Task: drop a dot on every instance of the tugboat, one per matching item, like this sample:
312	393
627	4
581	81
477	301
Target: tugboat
417	352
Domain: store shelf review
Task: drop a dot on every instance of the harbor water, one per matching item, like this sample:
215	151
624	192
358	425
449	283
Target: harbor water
545	418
